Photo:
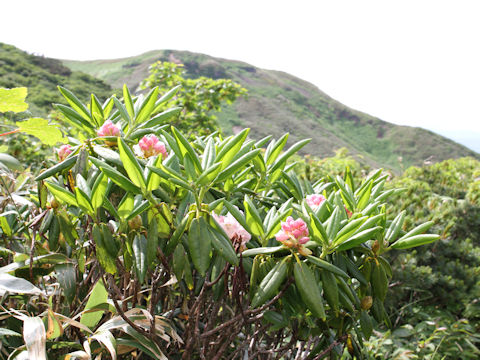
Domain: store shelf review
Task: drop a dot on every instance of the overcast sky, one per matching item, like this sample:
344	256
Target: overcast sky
407	62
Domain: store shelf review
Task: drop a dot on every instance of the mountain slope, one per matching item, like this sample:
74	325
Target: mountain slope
279	102
41	76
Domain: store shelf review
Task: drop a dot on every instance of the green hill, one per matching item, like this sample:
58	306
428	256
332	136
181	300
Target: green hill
41	76
279	102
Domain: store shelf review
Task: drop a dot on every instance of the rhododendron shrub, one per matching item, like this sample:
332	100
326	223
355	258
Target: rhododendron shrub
148	243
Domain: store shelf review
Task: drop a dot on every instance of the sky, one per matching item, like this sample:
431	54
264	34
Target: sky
408	62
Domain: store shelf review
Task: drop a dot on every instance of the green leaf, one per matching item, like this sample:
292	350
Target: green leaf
75	103
64	165
309	290
327	266
131	165
41	129
254	221
13	99
61	194
126	205
185	148
416	240
231	148
262	251
98	296
199	244
10	162
283	158
66	277
270	284
237	164
147	106
274	149
99	190
127	99
115	176
140	255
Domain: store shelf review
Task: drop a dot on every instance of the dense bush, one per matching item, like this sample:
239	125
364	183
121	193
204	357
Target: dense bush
142	243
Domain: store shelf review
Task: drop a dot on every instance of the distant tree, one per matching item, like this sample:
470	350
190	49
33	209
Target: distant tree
198	98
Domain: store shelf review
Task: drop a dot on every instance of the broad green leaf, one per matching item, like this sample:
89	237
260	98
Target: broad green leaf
41	129
13	99
98	296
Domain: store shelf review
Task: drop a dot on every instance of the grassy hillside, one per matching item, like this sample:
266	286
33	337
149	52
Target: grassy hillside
42	75
279	102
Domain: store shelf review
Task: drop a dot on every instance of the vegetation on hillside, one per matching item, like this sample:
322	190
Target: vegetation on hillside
279	103
198	98
42	75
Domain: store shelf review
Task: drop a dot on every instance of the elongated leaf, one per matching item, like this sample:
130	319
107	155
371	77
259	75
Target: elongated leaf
35	338
66	276
61	194
75	103
161	118
327	266
131	165
127	98
237	164
270	284
115	176
283	158
17	285
309	290
64	165
147	106
185	148
140	254
417	240
199	244
231	148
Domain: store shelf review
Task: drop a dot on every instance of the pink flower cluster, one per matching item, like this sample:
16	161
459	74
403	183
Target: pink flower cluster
294	234
64	151
150	146
293	231
315	201
233	229
108	129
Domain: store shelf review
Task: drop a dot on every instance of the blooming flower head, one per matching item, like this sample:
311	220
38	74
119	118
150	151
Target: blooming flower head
150	146
294	234
64	151
233	229
315	201
108	129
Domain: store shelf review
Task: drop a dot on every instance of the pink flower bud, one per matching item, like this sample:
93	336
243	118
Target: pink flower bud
64	151
294	230
150	146
315	201
233	229
108	129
